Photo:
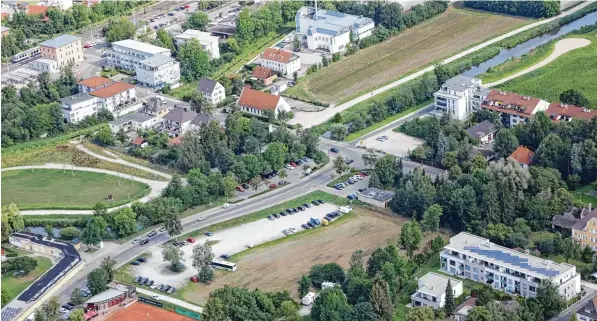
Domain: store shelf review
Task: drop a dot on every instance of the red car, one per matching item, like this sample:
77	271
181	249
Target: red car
194	279
191	240
240	189
186	6
293	164
87	45
363	174
273	186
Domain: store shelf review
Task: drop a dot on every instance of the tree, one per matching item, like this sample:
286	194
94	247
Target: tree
121	29
256	182
11	220
215	310
173	254
165	40
24	263
386	169
338	132
571	249
431	218
574	97
296	43
4	297
552	153
49	230
104	136
550	301
172	222
479	313
108	265
450	305
381	300
94	231
197	20
50	307
100	209
206	274
194	61
97	280
304	285
505	143
282	174
420	314
76	315
275	155
124	222
76	297
340	165
363	311
202	257
330	305
70	233
330	272
288	311
410	237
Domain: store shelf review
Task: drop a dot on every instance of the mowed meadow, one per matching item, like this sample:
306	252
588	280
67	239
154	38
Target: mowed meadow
419	46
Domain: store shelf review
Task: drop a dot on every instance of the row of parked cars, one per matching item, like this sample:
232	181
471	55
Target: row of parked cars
357	177
150	283
294	210
297	163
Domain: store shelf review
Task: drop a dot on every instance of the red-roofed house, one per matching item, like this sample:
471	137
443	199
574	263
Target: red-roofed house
257	102
94	83
34	10
116	96
266	75
139	142
523	155
281	61
513	108
564	112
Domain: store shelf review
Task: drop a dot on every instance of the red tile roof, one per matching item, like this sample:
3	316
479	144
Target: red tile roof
33	9
138	141
111	90
258	99
523	155
263	72
511	103
277	55
95	82
556	110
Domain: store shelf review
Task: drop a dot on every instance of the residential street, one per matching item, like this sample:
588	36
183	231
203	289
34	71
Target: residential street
565	315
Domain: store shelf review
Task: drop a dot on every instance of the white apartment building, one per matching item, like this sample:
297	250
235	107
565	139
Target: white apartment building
75	108
128	54
460	97
150	116
476	258
432	290
116	96
284	62
213	92
513	108
331	30
158	71
62	4
208	42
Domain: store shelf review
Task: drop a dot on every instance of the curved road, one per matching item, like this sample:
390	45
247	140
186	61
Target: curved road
156	187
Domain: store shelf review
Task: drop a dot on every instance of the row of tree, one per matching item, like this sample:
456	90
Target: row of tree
533	9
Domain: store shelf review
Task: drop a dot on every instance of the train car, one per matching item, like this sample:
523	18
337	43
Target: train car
27	54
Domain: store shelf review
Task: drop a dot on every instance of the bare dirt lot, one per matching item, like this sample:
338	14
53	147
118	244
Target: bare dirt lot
278	267
414	48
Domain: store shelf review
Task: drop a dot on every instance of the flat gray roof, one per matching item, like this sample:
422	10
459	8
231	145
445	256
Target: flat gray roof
482	248
74	99
60	41
332	22
138	117
461	83
377	194
157	60
436	284
141	46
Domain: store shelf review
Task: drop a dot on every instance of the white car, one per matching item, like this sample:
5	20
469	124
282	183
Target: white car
62	311
155	286
155	297
226	205
288	166
201	218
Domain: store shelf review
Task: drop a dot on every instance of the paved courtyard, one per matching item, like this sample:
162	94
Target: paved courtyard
397	144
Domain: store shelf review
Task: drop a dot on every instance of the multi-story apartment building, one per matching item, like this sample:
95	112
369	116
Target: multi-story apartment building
213	92
564	112
584	230
158	71
75	108
128	54
460	96
94	83
116	96
208	42
476	258
331	30
513	108
431	290
284	62
64	49
150	116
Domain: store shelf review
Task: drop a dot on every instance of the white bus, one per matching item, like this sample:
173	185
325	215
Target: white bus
223	265
27	54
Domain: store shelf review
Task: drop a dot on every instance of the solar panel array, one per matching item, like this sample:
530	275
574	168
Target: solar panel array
512	260
8	314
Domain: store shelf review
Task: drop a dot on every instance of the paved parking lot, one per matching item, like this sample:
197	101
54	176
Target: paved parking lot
397	144
229	241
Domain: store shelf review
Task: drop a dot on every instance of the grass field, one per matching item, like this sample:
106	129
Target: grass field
580	194
278	265
513	66
438	38
15	285
55	189
576	69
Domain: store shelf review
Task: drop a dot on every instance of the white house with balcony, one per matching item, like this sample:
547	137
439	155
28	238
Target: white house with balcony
431	290
331	30
128	54
116	96
475	258
282	61
208	42
460	96
158	71
213	92
76	107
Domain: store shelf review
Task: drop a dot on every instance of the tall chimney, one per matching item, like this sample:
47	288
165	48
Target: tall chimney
315	10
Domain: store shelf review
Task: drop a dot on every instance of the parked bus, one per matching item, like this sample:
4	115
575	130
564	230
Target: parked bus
223	265
27	54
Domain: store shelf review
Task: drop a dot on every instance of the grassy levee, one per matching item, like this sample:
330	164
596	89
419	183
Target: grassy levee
13	285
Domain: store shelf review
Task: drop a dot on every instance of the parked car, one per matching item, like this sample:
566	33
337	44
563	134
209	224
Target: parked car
88	45
276	215
166	288
349	161
315	202
135	241
191	240
334	150
311	224
272	186
288	166
351	197
293	164
156	285
240	189
282	183
62	310
300	208
138	279
135	263
294	210
305	226
225	256
269	217
225	205
145	241
209	234
299	161
245	186
307	205
171	290
149	283
152	233
162	229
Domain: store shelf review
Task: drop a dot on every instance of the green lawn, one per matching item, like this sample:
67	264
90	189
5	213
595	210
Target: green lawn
15	285
57	189
576	69
580	194
513	66
327	197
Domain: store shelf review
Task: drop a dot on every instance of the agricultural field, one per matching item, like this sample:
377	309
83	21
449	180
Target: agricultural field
577	68
58	189
276	266
13	285
438	38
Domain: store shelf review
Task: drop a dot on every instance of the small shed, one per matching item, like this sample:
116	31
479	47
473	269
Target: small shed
309	298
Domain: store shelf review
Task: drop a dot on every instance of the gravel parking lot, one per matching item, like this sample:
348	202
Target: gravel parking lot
230	241
397	144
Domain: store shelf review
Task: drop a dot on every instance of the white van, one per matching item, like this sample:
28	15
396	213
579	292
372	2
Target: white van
226	205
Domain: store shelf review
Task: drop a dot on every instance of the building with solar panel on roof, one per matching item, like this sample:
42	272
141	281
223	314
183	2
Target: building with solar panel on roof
476	258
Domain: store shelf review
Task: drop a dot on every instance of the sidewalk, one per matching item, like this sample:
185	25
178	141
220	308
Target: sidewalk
166	298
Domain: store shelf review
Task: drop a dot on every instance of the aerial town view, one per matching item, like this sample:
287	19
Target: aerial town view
286	160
